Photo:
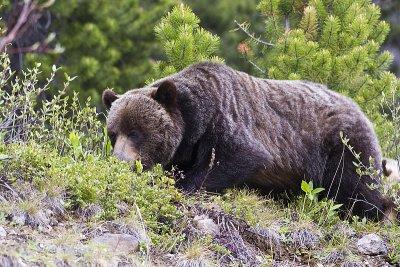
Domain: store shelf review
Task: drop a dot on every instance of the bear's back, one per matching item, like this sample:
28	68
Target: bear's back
247	100
275	116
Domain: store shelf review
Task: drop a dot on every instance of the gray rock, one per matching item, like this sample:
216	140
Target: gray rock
334	257
266	239
3	232
9	261
304	238
371	244
38	219
352	264
122	243
90	211
391	170
285	264
205	225
192	263
19	218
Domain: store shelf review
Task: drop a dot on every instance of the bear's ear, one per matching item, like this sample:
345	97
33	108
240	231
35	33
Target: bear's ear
109	96
166	94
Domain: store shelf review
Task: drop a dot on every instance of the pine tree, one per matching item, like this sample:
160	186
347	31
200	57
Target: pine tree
184	41
334	42
106	43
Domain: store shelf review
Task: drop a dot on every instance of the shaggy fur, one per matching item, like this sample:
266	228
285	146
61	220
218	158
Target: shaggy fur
224	128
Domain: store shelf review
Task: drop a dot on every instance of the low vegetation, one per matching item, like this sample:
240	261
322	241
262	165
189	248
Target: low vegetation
61	188
63	197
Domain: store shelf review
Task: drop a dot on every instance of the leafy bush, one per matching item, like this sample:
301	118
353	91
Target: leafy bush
324	211
62	150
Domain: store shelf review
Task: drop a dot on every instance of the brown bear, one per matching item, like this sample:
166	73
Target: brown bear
224	128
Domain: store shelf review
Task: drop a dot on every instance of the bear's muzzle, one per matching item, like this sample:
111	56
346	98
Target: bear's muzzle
124	149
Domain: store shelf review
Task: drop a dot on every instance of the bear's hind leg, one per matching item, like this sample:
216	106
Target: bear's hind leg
344	185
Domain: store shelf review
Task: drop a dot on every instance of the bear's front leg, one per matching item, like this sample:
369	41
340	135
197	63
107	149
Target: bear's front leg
223	168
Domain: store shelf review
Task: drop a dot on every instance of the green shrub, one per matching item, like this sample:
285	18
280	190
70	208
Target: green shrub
106	182
322	211
61	149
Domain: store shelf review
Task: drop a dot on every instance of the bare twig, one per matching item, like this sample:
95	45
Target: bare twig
27	9
244	28
4	184
36	48
373	206
287	24
256	66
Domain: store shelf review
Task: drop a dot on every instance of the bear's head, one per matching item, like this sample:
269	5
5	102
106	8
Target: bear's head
144	124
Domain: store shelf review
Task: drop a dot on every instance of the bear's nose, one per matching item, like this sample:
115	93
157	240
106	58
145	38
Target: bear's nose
124	150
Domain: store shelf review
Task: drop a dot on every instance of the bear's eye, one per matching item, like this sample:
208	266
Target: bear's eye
134	135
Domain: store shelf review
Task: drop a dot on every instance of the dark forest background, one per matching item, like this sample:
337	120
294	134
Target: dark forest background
112	44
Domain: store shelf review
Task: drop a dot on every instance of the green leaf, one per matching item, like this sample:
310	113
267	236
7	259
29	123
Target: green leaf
318	190
138	166
335	207
311	185
4	157
74	139
305	187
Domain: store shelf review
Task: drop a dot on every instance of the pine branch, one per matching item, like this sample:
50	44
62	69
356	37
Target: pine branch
252	35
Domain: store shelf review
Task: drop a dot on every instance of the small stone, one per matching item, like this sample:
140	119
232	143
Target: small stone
334	257
19	218
3	232
268	239
304	239
192	262
206	225
37	219
352	264
372	244
283	264
122	243
122	207
10	261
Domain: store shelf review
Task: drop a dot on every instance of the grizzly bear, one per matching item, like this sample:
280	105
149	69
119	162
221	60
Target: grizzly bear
224	128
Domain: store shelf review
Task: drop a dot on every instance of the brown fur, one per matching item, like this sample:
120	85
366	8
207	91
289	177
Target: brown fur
224	128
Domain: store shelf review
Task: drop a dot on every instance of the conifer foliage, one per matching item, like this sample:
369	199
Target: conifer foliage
107	43
334	42
184	41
